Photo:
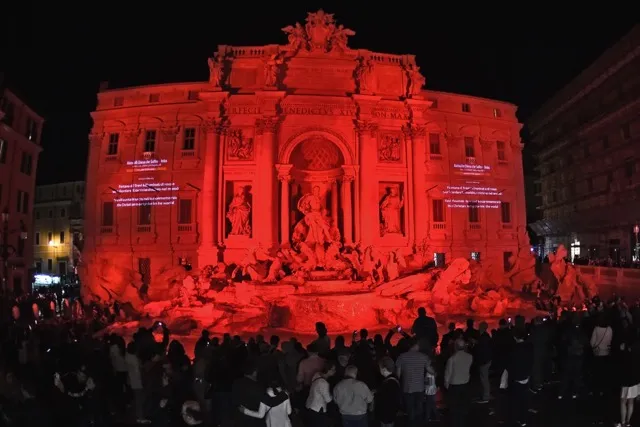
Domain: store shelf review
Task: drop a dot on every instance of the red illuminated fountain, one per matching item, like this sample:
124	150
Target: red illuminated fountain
305	182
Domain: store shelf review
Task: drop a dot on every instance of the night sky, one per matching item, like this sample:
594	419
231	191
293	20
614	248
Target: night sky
55	56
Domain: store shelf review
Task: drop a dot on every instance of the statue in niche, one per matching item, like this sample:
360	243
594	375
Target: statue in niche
216	66
389	150
363	74
416	80
390	208
239	214
272	69
310	205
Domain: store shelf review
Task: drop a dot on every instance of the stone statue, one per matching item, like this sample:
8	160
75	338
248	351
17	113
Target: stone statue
216	66
239	214
339	37
416	80
271	70
297	37
363	74
390	208
311	207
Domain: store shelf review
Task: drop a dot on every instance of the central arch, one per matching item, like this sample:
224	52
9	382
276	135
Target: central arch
284	155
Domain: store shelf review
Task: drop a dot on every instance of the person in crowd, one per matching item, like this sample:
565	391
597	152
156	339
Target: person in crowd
425	327
353	398
519	374
320	396
456	380
629	377
482	359
388	396
573	343
411	369
601	339
322	343
276	416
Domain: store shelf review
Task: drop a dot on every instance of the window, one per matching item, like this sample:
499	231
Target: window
8	108
32	129
434	143
189	141
107	214
437	210
63	212
154	97
144	215
506	260
438	259
38	266
184	211
118	101
497	113
474	213
50	213
466	108
49	237
37	239
22	200
112	148
193	95
4	147
626	131
49	265
505	212
37	214
502	154
150	141
62	267
61	237
26	163
469	149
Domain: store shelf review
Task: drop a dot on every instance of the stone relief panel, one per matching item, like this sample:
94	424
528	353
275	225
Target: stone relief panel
391	208
390	148
239	146
239	198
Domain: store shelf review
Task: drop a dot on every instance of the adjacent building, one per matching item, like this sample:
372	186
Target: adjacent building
58	228
20	132
300	146
588	142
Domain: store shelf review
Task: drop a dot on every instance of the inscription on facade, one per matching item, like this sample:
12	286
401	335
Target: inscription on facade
244	109
318	110
391	114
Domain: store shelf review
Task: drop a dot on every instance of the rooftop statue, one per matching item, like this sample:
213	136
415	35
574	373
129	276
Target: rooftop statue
319	34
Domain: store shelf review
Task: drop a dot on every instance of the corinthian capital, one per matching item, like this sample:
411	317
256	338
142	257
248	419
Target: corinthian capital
366	126
412	130
218	125
267	124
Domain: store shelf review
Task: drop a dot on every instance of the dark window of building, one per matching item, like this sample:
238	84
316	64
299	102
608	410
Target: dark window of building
439	259
37	239
22	202
193	95
61	237
49	265
38	267
32	129
505	212
8	109
112	148
184	211
118	101
26	163
107	214
4	147
150	141
466	108
497	113
434	143
502	152
144	215
474	212
50	238
469	149
189	142
437	211
154	97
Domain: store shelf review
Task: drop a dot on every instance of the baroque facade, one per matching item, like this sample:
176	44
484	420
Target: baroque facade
310	145
20	133
586	137
58	227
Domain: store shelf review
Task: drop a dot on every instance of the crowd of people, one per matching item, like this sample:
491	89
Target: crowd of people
60	372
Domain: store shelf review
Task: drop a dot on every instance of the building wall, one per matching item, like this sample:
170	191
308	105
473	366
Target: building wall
278	130
589	161
58	218
20	132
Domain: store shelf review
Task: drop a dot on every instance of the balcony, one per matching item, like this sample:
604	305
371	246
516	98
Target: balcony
111	158
507	226
439	225
144	229
185	228
187	154
470	160
475	226
106	229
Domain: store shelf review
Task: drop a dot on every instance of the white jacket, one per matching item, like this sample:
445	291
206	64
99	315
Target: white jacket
601	340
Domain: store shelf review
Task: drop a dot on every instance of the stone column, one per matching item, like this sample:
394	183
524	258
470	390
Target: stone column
208	252
334	201
347	218
368	182
285	178
416	136
265	210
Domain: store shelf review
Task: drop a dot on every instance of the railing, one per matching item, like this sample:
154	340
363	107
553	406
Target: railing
250	51
184	228
611	275
144	229
475	226
439	225
111	158
187	153
106	229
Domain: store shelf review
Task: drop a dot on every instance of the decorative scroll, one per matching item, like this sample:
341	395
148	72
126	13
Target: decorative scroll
267	124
